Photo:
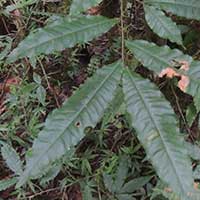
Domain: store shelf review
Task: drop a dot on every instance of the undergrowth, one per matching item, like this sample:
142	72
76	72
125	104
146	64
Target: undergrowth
99	99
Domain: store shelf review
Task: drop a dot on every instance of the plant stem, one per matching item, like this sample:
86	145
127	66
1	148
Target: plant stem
122	31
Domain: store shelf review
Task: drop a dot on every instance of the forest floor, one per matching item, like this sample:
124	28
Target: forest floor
24	107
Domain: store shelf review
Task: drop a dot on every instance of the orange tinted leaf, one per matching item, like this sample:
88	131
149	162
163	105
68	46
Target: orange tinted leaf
169	72
183	83
196	185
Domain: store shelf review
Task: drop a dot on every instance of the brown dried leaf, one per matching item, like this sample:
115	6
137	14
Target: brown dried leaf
170	73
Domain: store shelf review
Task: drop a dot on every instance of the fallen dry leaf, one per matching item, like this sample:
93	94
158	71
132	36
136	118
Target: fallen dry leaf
183	83
169	72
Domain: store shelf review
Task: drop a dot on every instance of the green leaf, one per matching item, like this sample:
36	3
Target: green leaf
6	183
63	33
135	184
196	173
156	127
184	8
193	150
121	173
41	94
79	6
191	114
64	128
87	193
155	57
20	5
161	189
37	78
109	182
11	158
124	197
116	107
162	25
51	174
115	182
194	85
5	45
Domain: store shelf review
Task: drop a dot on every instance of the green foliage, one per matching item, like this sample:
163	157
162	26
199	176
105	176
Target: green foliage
20	4
79	6
40	91
12	159
62	33
154	57
24	113
116	183
185	8
158	58
191	114
6	183
51	174
5	44
85	108
158	133
161	190
194	86
110	101
162	25
193	151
